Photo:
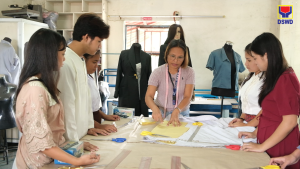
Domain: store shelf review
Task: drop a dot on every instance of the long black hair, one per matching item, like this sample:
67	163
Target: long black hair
172	32
41	58
277	64
248	51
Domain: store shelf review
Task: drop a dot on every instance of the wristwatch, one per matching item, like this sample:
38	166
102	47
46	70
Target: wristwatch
242	119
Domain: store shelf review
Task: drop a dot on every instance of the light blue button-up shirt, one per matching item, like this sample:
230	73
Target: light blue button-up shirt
220	64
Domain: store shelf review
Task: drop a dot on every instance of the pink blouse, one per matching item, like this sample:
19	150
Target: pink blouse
41	121
158	79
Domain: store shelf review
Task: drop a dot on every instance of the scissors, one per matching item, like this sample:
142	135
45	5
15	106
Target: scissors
270	167
118	140
145	133
185	166
233	147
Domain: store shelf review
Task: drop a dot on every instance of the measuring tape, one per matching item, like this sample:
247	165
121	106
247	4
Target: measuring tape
176	162
145	163
116	161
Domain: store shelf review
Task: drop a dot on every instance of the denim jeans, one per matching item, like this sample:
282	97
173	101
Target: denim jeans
185	113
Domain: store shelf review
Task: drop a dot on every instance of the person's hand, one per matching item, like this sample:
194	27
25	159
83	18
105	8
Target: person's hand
88	159
109	128
112	118
90	147
234	121
156	115
95	132
253	147
284	161
238	124
247	134
174	118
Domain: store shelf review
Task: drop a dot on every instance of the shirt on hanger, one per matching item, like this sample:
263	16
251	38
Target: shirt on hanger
249	94
220	64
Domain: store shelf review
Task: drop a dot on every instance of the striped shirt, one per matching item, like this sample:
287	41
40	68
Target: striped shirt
158	79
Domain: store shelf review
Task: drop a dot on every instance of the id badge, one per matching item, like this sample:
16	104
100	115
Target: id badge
174	99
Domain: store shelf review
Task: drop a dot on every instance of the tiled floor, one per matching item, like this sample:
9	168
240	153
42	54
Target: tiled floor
11	158
12	150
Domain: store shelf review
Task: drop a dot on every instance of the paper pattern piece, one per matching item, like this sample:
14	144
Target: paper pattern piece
171	131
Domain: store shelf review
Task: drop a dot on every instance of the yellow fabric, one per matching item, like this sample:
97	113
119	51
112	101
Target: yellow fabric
171	131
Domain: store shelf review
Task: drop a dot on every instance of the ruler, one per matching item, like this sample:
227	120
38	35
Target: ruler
131	121
117	160
123	125
145	163
194	134
176	162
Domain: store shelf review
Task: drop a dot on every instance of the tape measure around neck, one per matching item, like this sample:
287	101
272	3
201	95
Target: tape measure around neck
167	89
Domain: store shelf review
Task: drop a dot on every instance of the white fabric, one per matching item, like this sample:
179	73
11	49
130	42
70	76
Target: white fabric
9	62
104	88
96	100
249	94
15	164
75	96
139	73
213	133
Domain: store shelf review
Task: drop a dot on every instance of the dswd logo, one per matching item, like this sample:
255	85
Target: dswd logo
285	14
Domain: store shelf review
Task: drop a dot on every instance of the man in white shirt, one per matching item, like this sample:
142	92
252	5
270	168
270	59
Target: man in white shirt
9	62
88	33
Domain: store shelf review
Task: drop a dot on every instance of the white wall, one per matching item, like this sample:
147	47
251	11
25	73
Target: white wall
290	37
244	20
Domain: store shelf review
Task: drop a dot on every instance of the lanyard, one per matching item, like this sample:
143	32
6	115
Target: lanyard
174	87
167	88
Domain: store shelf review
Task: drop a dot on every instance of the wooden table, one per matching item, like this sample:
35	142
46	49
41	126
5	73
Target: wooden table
195	158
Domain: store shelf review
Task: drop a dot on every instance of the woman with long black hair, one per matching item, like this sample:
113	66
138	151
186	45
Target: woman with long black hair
278	132
39	111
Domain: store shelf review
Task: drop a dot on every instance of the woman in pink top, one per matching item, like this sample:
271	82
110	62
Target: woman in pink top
39	111
174	83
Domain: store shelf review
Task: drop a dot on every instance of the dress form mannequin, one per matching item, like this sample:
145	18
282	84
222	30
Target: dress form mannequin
134	69
7	115
175	32
227	92
137	49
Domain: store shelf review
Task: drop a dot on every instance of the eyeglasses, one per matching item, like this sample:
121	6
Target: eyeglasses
179	58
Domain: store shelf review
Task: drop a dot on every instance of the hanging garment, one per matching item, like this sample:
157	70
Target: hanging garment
162	51
127	86
220	64
9	62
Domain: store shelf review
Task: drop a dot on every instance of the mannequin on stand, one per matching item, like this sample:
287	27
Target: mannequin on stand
133	73
175	32
7	120
226	64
